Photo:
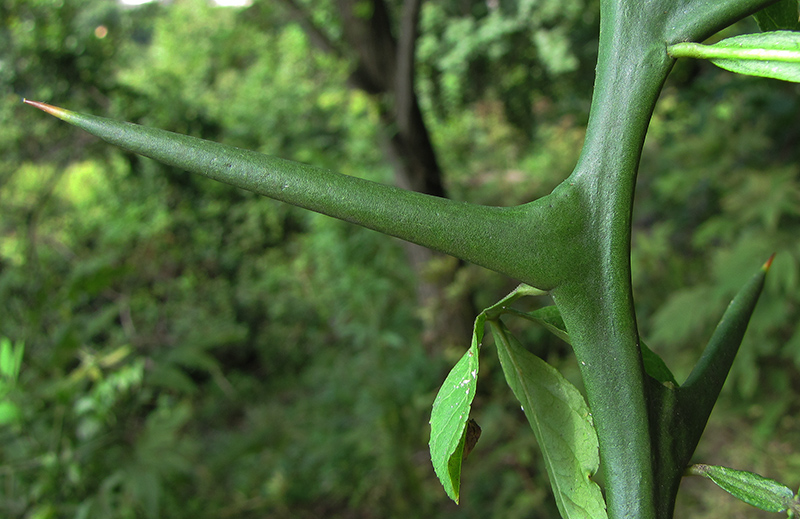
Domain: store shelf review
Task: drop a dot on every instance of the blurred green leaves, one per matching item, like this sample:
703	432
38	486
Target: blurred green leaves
10	359
230	308
282	401
10	364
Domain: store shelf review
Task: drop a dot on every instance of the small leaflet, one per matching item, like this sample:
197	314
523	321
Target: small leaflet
753	489
453	434
450	415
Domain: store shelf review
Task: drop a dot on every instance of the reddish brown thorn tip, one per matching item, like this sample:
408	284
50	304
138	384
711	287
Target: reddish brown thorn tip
52	110
768	264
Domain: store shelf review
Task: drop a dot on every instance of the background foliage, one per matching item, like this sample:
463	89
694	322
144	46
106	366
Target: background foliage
191	350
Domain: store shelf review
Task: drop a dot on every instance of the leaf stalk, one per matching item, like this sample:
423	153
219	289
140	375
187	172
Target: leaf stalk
699	51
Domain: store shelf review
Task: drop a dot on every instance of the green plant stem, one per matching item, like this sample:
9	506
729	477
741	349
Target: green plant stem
597	306
698	51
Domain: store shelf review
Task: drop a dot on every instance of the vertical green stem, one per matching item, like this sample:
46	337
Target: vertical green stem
598	307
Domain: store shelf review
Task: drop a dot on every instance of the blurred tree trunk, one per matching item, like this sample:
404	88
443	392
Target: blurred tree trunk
383	55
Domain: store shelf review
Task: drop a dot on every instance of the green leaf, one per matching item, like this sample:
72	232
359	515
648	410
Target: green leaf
756	490
784	15
501	307
562	424
450	414
550	318
449	427
771	54
655	367
783	64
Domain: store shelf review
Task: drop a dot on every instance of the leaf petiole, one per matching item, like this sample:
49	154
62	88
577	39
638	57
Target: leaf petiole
700	51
